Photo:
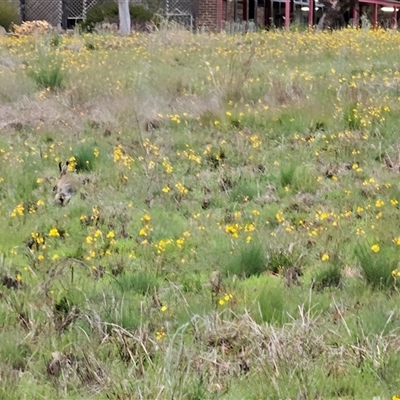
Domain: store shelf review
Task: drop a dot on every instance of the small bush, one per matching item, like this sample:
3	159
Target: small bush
8	15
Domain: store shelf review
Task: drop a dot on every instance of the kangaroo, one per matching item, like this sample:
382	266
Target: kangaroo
66	186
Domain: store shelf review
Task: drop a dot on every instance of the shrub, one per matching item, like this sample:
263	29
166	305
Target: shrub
8	14
108	12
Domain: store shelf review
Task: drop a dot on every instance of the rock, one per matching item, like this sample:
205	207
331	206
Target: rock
2	31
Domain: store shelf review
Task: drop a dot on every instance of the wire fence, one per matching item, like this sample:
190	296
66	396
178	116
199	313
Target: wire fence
66	13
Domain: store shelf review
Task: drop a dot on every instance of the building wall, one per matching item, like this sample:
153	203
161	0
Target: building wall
260	17
209	14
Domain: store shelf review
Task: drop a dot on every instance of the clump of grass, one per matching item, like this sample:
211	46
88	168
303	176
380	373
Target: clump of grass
16	355
47	72
25	185
244	191
139	282
351	117
279	260
377	263
271	304
250	261
85	158
130	315
328	277
287	174
207	118
55	40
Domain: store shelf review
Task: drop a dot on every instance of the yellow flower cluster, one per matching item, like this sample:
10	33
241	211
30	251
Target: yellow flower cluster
191	155
122	158
167	165
18	210
54	232
225	299
162	245
99	244
146	229
181	188
255	141
150	148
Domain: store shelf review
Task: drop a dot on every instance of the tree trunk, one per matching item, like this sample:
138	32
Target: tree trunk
124	17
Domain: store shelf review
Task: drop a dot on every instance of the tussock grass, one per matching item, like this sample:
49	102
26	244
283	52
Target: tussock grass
47	71
235	234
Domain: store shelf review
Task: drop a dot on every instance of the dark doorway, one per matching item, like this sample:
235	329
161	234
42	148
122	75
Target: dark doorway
252	10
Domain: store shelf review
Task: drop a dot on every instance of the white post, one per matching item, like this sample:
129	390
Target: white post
124	17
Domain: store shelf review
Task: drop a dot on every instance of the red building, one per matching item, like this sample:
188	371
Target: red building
216	14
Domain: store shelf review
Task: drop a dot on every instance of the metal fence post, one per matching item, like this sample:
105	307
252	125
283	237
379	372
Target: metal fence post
64	14
22	10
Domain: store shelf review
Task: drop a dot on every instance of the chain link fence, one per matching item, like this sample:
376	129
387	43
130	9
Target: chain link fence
181	11
66	13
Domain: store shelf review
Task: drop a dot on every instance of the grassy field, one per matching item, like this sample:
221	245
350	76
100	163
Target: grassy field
235	228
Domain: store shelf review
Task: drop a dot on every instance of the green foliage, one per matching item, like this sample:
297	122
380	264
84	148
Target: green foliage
25	185
55	40
85	158
250	261
47	72
271	304
14	354
244	191
377	266
9	14
138	282
287	174
351	117
330	276
108	12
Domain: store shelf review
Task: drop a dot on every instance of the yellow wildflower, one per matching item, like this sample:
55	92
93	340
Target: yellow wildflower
375	248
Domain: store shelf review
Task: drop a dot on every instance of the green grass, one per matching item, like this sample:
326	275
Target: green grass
235	233
47	71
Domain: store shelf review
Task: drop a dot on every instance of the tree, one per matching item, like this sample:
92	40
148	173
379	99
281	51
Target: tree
124	17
